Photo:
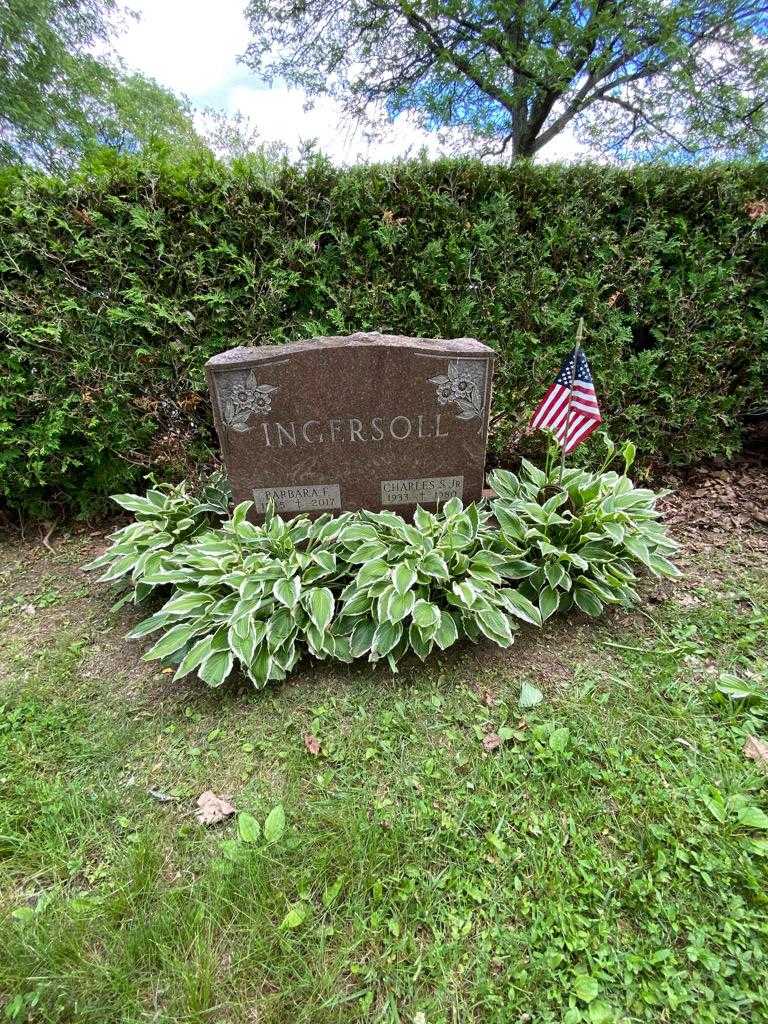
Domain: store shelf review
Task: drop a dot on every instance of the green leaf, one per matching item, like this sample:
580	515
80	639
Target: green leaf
248	827
194	657
244	637
321	607
446	633
420	645
615	531
629	451
433	565
529	697
549	601
186	604
403	577
120	567
638	549
518	605
600	1012
386	636
517	569
295	917
331	893
753	817
173	641
495	625
216	668
150	625
135	503
260	667
585	987
274	824
554	573
362	637
466	592
664	567
588	602
367	552
400	605
558	739
426	615
371	573
287	591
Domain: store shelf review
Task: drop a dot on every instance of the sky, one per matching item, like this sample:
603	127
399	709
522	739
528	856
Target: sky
192	46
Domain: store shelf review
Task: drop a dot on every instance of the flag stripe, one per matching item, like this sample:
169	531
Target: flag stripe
583	437
545	405
569	407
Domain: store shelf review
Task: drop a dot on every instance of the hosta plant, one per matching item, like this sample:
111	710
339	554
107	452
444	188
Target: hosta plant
370	584
260	596
362	584
421	586
168	515
580	543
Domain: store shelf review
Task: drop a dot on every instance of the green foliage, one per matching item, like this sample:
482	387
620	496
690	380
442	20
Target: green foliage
579	544
417	587
370	583
510	75
166	517
59	102
116	287
360	584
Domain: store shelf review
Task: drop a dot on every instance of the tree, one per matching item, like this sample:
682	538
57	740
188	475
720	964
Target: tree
682	78
59	102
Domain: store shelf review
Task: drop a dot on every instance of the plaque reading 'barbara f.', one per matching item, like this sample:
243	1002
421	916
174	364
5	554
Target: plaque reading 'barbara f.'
366	421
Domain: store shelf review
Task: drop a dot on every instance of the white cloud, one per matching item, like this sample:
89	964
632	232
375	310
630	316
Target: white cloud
192	46
280	114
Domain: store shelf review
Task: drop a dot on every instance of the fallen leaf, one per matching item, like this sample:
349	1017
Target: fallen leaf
212	809
757	750
161	797
489	699
491	741
312	743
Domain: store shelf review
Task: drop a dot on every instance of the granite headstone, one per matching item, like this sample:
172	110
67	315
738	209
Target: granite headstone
365	421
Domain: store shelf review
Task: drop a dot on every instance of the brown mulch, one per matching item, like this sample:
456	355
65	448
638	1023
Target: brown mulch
717	502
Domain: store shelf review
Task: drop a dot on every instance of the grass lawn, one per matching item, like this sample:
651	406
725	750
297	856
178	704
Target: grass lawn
596	866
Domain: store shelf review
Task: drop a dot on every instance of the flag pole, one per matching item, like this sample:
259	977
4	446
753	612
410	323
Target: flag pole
579	338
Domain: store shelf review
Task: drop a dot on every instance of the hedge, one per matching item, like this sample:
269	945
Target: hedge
115	287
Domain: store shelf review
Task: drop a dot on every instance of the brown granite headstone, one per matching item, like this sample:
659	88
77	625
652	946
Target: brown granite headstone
365	421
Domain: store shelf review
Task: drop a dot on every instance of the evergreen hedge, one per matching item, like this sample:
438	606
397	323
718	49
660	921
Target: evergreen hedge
116	286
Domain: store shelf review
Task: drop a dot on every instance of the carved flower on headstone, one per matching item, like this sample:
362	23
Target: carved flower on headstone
245	399
461	389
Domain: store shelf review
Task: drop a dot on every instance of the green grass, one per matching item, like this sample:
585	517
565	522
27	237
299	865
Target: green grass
580	872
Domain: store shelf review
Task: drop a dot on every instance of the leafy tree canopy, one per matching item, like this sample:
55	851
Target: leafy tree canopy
680	78
59	102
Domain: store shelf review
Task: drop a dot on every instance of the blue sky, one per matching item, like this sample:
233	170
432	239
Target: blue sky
191	46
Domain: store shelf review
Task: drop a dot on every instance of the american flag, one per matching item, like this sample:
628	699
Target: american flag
552	411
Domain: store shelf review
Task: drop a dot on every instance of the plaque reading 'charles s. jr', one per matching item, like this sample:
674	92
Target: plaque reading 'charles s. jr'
366	421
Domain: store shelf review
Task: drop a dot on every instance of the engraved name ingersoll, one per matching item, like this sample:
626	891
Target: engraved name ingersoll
350	430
